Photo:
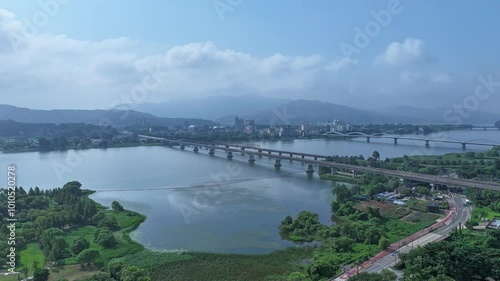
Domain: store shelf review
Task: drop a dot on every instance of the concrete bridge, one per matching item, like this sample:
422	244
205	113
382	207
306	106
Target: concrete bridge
485	127
396	138
313	159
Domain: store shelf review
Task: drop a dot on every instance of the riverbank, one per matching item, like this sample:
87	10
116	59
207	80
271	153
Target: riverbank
120	145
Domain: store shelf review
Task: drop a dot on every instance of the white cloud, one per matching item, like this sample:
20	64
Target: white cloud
340	64
410	77
410	51
78	73
56	71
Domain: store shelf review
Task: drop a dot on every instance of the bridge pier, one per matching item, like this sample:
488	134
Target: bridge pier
226	146
367	139
310	169
277	163
260	150
183	147
427	143
229	155
251	159
395	140
315	158
279	153
333	170
291	155
196	149
242	148
464	145
212	151
302	156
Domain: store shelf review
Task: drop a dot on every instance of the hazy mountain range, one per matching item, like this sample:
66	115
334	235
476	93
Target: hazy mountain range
264	110
276	111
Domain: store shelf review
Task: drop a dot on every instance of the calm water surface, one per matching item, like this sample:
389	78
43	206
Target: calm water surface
198	202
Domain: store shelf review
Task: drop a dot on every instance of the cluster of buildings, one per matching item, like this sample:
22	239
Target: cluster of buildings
248	126
244	126
338	126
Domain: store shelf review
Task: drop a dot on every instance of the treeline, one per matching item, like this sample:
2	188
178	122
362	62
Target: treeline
9	128
461	257
45	217
359	229
402	129
485	198
465	255
470	165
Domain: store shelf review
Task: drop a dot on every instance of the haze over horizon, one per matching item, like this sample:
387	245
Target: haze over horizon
74	63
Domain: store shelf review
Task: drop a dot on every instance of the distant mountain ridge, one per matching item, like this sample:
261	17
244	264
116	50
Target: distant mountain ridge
211	108
223	109
275	111
116	118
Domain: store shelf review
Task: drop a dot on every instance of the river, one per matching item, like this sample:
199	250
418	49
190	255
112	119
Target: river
198	202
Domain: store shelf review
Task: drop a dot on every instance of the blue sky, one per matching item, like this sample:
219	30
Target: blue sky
439	50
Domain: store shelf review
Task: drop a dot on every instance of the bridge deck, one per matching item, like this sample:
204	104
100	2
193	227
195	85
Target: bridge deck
409	138
406	175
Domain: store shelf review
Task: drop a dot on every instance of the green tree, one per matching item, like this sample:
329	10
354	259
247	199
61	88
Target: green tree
342	244
88	256
25	271
376	155
105	238
383	243
79	244
41	274
115	269
133	273
53	244
286	225
470	224
36	265
108	222
441	277
325	267
116	206
423	191
297	276
341	191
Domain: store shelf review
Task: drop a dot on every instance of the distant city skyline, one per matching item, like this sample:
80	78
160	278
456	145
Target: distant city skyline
360	54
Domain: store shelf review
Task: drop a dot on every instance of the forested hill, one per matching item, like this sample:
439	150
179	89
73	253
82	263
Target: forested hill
9	128
116	118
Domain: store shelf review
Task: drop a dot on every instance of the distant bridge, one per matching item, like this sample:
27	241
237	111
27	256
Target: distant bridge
396	138
315	159
485	127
